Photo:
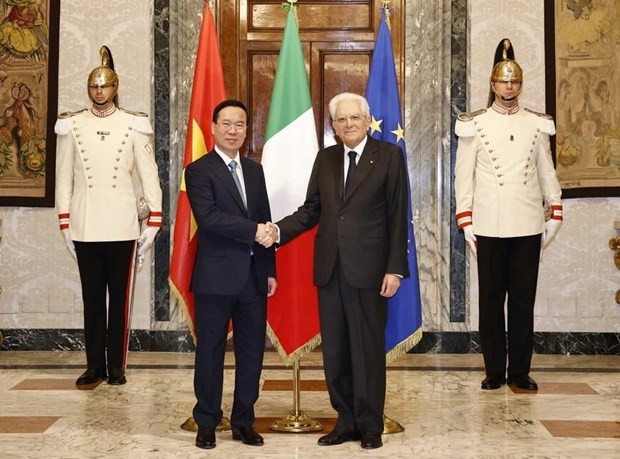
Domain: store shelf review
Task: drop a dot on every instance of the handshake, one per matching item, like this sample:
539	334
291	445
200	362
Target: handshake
266	234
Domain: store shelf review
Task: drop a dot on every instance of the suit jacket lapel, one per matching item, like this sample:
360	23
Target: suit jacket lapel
339	172
222	171
250	181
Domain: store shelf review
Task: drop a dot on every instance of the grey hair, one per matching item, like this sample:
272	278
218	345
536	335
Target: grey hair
348	97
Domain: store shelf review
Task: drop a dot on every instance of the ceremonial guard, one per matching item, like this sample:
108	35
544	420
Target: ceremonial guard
504	181
102	151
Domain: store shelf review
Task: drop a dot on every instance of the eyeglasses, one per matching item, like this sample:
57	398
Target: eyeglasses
353	118
227	126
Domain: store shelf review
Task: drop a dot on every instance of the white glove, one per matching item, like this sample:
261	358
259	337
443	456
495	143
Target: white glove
145	241
69	242
470	238
551	228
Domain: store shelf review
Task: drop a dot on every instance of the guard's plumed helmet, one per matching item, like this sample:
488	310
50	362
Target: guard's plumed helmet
104	75
507	68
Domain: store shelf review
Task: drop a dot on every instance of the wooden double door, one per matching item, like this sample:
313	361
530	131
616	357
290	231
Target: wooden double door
337	40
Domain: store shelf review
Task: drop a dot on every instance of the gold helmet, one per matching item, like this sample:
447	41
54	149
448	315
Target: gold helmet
507	68
104	75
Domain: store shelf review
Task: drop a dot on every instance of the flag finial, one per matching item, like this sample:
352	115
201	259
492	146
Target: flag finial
288	4
387	11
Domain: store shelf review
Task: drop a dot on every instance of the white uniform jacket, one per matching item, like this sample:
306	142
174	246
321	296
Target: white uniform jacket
504	172
96	158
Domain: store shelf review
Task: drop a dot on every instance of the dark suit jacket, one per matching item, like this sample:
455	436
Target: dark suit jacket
368	229
226	230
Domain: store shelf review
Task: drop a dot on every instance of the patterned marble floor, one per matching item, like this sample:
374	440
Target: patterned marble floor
437	399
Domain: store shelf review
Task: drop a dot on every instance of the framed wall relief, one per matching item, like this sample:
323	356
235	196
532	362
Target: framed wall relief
28	101
583	94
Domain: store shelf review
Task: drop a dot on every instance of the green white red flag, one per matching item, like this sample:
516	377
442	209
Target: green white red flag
288	155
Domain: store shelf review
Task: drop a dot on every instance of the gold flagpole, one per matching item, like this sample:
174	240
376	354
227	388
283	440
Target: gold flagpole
296	421
390	426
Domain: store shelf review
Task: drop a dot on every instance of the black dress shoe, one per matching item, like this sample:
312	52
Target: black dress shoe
523	382
205	438
338	437
248	436
116	376
371	441
490	383
91	376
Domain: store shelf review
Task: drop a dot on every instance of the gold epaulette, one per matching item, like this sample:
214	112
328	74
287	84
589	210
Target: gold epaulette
468	116
70	114
131	112
542	115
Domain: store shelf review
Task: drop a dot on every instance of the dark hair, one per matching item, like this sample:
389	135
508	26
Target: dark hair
229	103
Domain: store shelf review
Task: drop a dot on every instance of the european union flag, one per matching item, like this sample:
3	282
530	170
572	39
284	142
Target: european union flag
404	325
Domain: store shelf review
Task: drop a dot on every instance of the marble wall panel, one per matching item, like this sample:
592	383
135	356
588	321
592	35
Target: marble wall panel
428	132
185	20
161	101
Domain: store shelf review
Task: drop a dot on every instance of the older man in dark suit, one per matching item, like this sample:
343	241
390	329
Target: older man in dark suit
233	274
357	194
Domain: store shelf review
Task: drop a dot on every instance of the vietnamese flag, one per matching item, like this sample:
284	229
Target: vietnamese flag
208	90
288	155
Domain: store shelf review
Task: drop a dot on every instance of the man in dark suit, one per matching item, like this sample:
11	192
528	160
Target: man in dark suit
233	274
357	194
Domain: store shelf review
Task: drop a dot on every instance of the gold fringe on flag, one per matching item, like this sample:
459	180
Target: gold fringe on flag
297	353
183	308
404	346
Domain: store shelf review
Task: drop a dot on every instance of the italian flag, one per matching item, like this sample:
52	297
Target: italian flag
288	155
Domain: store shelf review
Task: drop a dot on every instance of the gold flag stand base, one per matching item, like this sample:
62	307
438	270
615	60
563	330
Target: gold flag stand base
296	422
390	426
191	426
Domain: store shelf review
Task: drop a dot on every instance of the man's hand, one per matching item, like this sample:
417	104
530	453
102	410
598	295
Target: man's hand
470	238
272	285
390	285
70	244
145	241
274	231
551	228
265	234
